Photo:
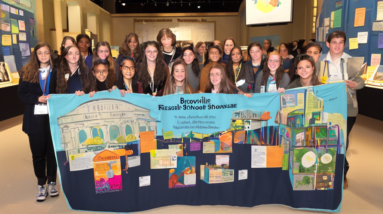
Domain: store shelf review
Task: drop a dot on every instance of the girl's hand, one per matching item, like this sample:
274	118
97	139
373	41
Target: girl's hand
122	92
92	93
43	99
351	84
248	95
281	90
79	93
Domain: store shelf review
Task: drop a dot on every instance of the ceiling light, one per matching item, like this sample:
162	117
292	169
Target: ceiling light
123	4
142	4
198	7
155	4
167	3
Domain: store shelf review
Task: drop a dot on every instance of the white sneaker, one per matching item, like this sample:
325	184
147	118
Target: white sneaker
52	189
42	195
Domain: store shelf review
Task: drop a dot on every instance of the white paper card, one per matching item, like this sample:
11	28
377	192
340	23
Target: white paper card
222	159
327	22
362	37
379	11
242	174
10	60
144	181
41	109
81	161
190	179
134	161
258	157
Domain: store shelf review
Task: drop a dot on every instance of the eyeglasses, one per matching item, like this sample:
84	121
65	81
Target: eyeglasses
275	60
101	72
102	51
150	52
128	68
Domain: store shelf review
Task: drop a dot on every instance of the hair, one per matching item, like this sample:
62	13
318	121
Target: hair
271	44
87	80
197	47
30	71
251	45
110	59
313	44
195	64
80	36
64	41
111	78
125	50
160	72
225	87
266	71
337	34
168	33
122	62
170	87
229	65
314	78
287	46
207	60
228	38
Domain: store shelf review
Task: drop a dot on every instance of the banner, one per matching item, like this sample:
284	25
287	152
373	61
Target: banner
138	152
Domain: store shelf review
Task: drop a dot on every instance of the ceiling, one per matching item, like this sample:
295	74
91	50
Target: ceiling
176	6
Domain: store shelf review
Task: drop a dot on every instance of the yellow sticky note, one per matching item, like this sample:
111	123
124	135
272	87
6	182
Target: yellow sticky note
353	44
7	40
323	80
114	53
332	19
14	38
360	16
32	49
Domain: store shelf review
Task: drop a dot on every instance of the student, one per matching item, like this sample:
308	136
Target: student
167	40
72	77
178	80
256	61
200	51
305	69
103	52
272	78
267	47
152	72
228	44
67	41
284	51
128	83
34	90
129	48
294	50
84	43
192	67
217	42
104	75
240	74
336	62
213	58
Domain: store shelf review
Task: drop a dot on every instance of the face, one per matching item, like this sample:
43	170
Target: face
100	72
179	73
68	43
283	50
228	46
166	41
215	76
132	44
188	57
103	52
255	53
304	69
214	55
266	45
84	44
314	53
336	45
151	53
73	55
128	69
236	55
295	44
217	42
202	49
43	55
273	62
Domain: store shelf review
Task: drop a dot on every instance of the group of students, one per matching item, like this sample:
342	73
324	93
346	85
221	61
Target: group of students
158	68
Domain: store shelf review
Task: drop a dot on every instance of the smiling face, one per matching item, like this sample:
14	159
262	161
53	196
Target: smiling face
179	73
103	52
236	55
283	50
314	53
255	53
215	77
273	62
229	44
166	41
101	72
202	49
214	55
83	44
43	55
132	44
128	69
73	55
151	53
266	45
68	43
336	45
188	57
305	69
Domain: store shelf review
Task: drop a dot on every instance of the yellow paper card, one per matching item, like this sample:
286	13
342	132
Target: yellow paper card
14	38
7	40
323	80
353	44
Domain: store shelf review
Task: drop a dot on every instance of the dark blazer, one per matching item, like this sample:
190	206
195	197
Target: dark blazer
88	62
136	86
249	63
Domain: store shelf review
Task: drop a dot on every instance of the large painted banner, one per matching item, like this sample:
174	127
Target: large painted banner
139	152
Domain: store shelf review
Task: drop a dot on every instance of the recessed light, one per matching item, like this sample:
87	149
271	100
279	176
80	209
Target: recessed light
123	4
198	7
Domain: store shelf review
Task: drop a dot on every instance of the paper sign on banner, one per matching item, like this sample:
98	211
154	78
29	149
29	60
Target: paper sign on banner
242	174
147	141
222	160
144	181
21	12
375	59
14	26
353	44
6	50
338	18
274	156
332	19
21	25
377	26
258	156
14	10
379	11
7	40
362	37
360	16
22	36
14	38
380	40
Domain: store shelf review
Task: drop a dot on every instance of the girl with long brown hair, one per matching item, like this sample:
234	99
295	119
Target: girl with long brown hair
128	83
192	67
129	48
240	74
34	90
103	52
104	75
167	40
305	68
178	79
228	45
200	51
213	58
152	70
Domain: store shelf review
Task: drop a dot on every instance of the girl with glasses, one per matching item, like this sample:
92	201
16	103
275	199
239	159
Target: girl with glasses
104	76
127	82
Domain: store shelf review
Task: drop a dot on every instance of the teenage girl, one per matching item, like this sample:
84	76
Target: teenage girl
240	74
84	44
129	48
192	67
213	58
128	83
305	68
178	80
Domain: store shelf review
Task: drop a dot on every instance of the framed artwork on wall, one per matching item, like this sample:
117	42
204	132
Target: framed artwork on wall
5	74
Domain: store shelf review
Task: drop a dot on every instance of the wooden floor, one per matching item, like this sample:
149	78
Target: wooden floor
364	196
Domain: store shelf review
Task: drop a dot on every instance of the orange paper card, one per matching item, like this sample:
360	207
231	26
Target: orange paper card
274	156
147	141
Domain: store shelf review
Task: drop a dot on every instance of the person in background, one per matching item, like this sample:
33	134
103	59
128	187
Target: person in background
228	44
167	39
178	80
305	69
256	61
129	48
294	50
84	43
213	58
288	59
240	74
267	47
128	82
104	75
272	78
67	41
200	51
336	62
301	46
192	67
152	71
34	85
104	53
217	42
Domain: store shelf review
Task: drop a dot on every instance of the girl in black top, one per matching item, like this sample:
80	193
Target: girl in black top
127	82
167	41
192	67
228	45
129	48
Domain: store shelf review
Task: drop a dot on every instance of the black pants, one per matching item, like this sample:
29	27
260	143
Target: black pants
350	124
43	155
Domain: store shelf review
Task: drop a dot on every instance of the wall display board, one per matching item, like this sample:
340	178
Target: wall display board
141	152
260	12
184	31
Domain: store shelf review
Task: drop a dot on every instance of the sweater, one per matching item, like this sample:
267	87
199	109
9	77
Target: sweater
204	77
